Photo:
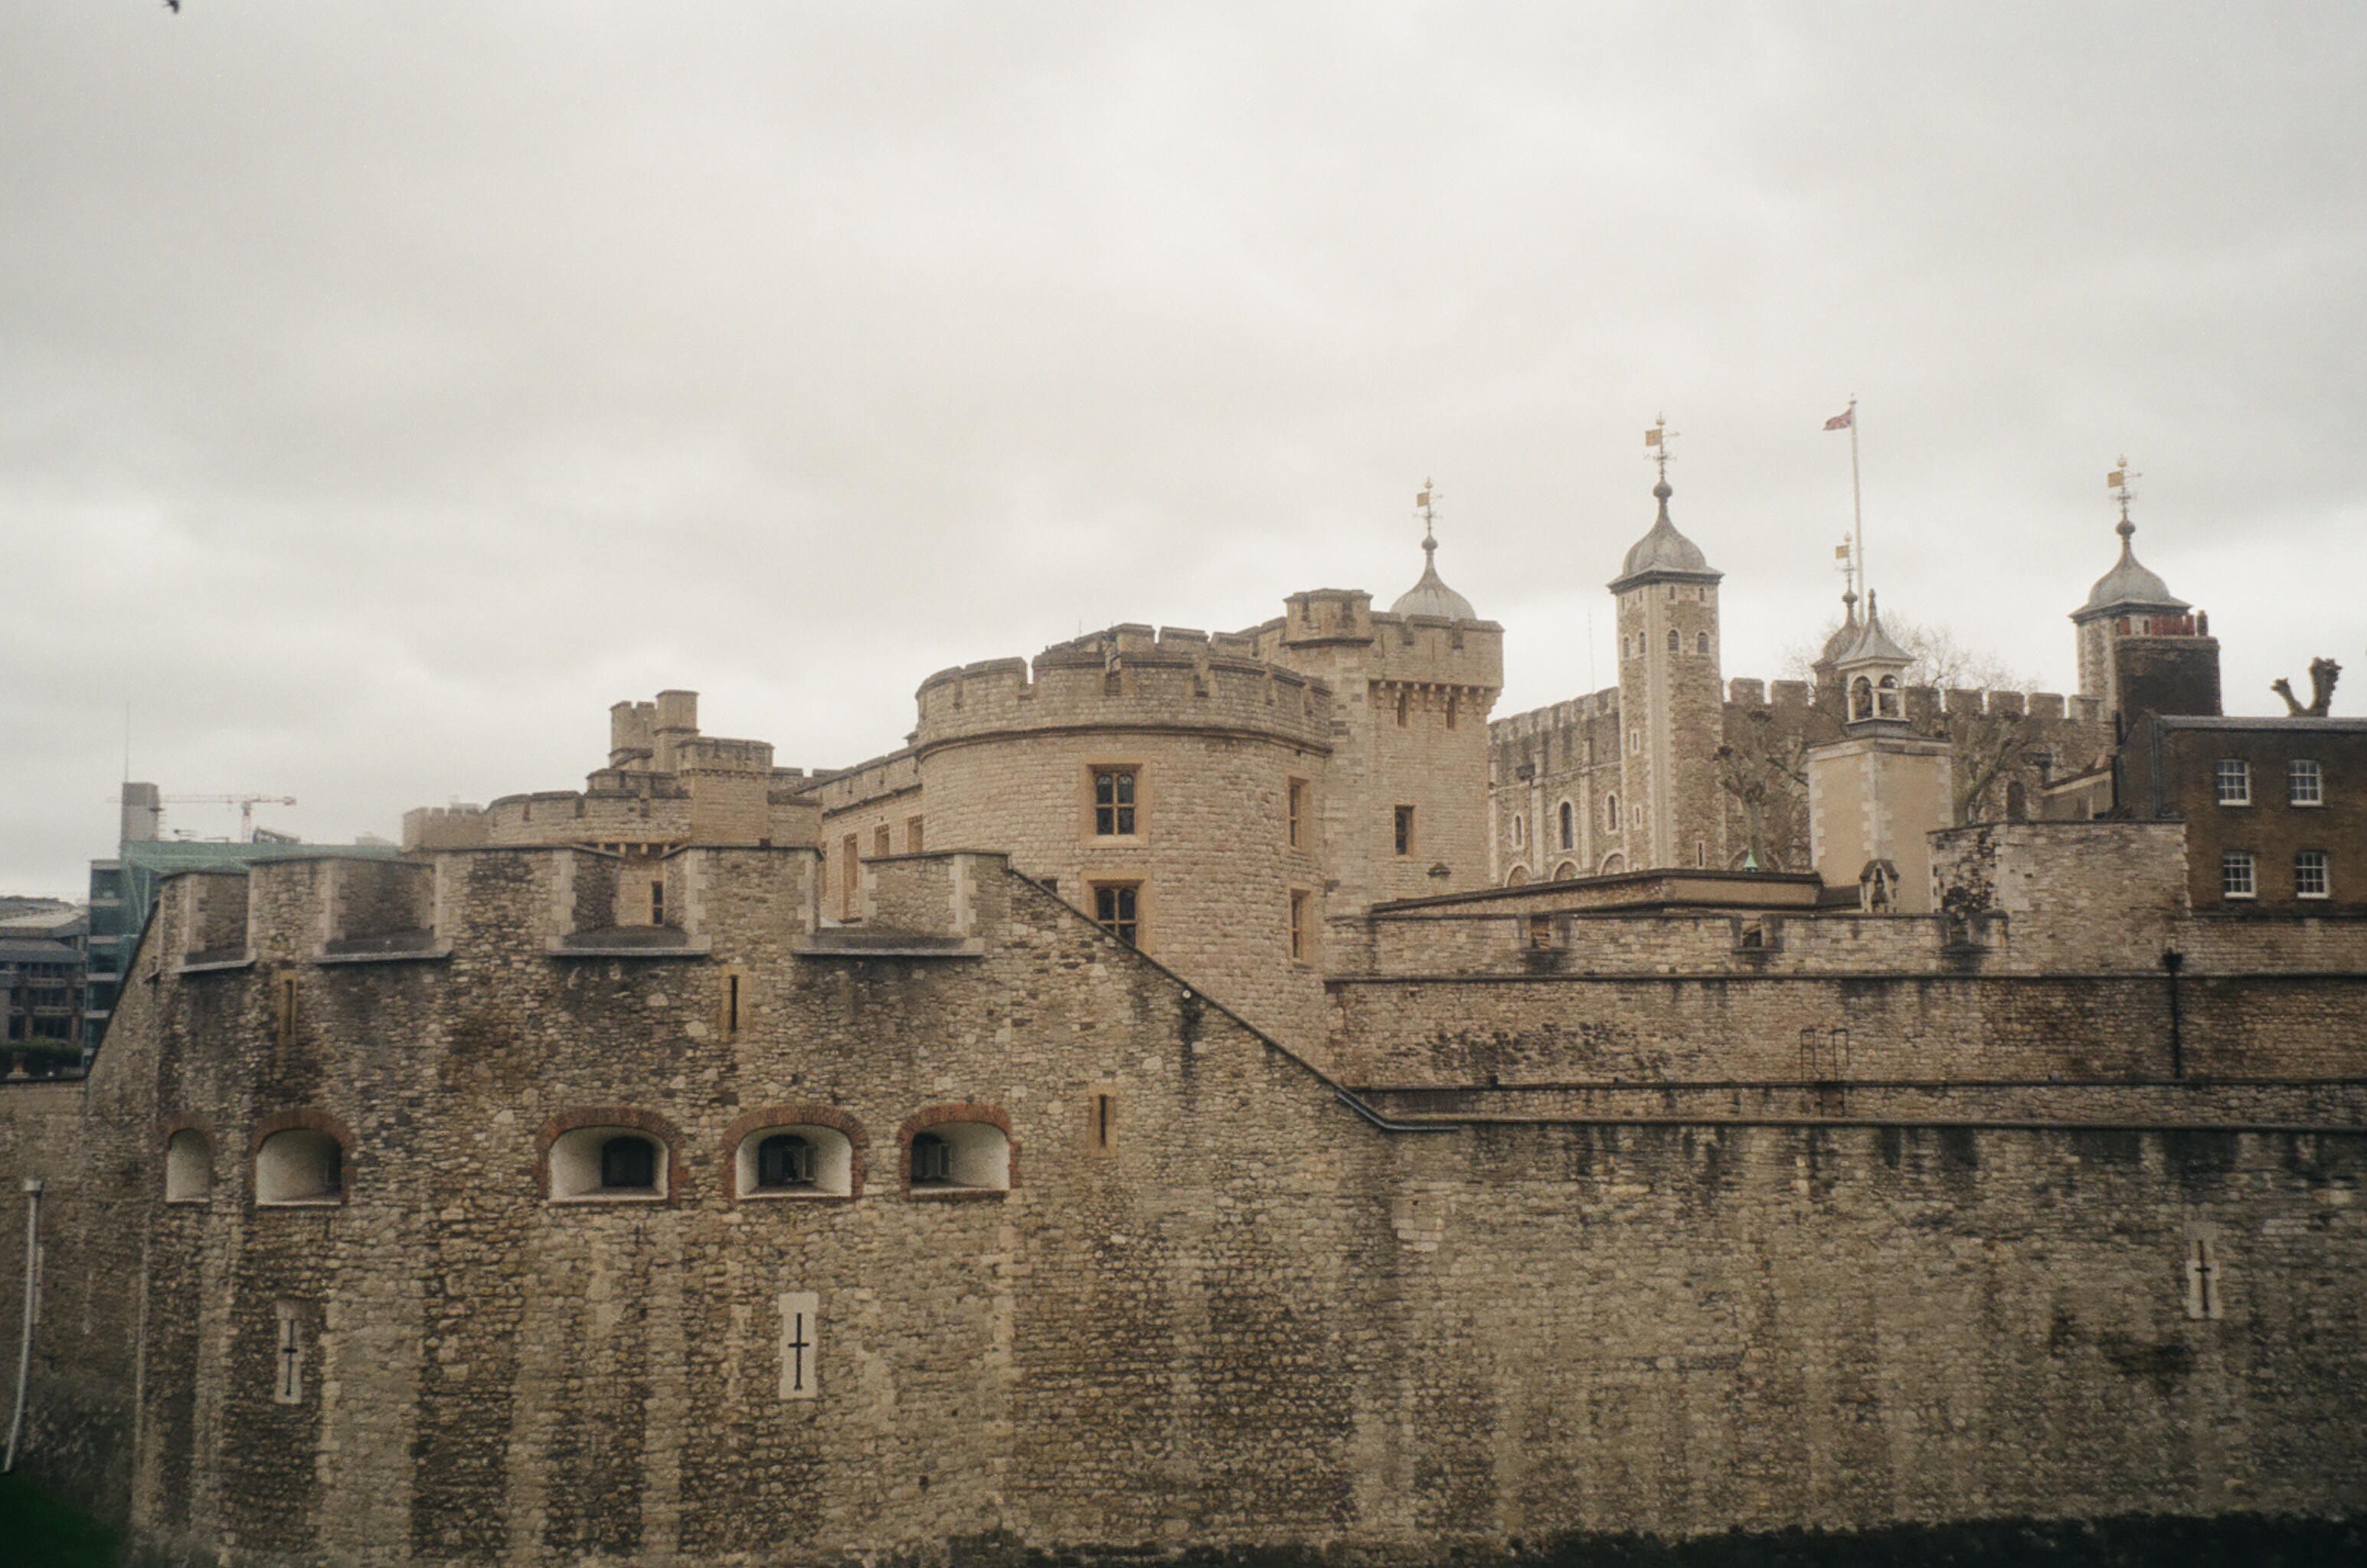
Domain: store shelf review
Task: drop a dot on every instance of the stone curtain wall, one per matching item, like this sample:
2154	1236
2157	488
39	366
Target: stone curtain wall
2076	896
1570	752
1678	1029
78	1422
1250	1316
1553	742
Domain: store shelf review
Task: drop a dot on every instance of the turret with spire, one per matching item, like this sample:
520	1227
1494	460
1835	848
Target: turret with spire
1404	797
1430	596
1671	697
2128	601
1876	793
1873	671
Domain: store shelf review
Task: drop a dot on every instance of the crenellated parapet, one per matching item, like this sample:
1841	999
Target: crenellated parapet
561	901
1127	678
1337	627
666	787
894	776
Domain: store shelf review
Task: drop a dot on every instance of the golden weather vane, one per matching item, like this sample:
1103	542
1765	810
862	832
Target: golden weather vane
1425	507
1656	443
2117	481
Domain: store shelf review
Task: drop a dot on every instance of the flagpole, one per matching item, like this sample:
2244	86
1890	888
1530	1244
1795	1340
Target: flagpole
1857	504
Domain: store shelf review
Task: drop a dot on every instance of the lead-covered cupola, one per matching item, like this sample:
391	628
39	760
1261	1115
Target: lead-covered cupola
1663	554
2130	601
1430	595
2131	588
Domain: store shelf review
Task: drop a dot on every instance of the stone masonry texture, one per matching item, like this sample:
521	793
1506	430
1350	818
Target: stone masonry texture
1676	1200
1250	1316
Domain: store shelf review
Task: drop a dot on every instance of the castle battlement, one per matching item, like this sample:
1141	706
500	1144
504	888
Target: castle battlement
1534	722
1128	677
881	778
1339	627
335	910
666	787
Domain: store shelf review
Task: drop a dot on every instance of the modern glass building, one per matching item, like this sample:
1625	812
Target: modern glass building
123	890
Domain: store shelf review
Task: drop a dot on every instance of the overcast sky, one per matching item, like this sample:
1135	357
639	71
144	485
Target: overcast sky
386	389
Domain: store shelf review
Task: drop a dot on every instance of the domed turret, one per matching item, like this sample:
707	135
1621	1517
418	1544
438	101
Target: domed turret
1663	553
1671	701
2129	585
1844	636
2128	601
1430	596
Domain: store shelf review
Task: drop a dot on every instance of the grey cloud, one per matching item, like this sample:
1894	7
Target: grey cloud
388	388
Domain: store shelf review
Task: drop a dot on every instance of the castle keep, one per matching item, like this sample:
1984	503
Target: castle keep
1230	1090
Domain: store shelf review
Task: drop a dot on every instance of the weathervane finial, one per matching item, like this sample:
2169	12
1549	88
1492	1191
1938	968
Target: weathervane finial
1426	509
1655	446
2117	481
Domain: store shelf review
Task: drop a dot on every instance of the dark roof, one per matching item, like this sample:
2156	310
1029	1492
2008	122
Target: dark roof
1871	644
1430	595
1663	552
37	953
2129	585
2298	723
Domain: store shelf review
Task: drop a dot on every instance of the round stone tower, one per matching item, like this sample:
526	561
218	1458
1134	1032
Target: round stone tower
1166	784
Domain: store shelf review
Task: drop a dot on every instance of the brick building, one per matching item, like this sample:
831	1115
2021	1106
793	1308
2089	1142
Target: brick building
2275	810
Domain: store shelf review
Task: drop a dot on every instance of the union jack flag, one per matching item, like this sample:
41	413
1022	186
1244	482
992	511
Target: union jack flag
1842	420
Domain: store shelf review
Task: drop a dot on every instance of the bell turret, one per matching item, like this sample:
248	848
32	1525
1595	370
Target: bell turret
1873	673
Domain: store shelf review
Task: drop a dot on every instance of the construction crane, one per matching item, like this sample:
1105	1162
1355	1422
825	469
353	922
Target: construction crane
245	804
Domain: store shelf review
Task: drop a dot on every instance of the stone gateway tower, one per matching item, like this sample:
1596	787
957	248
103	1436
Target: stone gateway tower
1671	701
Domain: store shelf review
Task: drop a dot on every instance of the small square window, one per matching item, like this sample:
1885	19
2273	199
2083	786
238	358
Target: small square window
2236	875
2305	783
2310	879
2235	780
1114	802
